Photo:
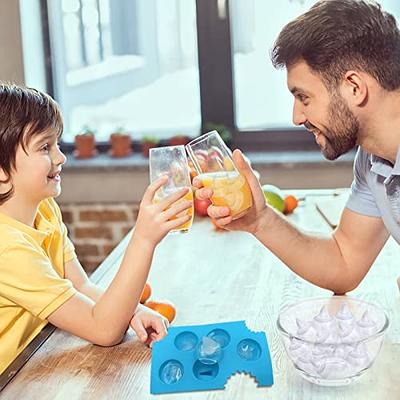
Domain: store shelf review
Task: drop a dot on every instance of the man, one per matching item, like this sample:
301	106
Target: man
343	69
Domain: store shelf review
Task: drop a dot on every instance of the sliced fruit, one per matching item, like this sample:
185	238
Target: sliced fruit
228	164
236	182
234	200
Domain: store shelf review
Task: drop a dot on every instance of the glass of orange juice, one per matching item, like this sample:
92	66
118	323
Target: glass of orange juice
172	162
214	165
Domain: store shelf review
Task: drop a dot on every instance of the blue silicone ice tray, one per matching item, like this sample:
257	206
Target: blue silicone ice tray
243	351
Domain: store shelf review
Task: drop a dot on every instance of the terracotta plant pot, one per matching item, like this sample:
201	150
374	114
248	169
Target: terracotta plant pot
179	140
85	146
146	146
121	145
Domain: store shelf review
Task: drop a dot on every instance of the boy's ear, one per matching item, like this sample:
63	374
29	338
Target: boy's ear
3	177
5	182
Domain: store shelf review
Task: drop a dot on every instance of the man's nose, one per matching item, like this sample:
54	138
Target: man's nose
299	117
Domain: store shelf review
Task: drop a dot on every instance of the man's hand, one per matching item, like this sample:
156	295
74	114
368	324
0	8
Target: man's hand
222	215
149	325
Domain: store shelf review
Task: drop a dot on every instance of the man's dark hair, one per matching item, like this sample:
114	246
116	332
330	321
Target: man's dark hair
24	113
335	36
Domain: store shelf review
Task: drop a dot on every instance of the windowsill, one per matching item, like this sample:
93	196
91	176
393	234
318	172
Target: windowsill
105	162
137	161
103	179
296	158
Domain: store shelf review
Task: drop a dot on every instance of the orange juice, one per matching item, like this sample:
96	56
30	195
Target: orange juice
186	226
230	189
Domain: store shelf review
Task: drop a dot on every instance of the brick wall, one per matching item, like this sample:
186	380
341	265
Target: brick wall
95	229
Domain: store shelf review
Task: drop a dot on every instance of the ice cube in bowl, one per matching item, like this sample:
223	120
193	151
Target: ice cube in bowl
332	341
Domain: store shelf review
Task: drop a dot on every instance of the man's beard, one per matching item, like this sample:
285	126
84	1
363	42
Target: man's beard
342	134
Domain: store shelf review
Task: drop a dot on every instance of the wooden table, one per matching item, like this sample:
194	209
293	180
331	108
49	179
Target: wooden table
214	277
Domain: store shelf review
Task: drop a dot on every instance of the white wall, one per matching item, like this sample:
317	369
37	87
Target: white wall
11	59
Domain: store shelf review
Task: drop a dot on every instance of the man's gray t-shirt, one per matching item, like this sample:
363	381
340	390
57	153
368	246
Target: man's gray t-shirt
375	190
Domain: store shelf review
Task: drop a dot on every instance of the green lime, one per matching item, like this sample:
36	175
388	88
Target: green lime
274	197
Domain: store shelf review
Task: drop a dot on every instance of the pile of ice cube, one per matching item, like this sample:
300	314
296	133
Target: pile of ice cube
332	346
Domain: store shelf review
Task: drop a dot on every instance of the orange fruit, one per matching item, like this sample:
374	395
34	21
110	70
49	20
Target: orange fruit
290	204
166	309
146	293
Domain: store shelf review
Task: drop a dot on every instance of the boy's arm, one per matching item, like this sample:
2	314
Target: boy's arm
148	325
77	275
105	320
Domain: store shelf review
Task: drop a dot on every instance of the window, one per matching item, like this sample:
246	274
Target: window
168	67
127	64
262	98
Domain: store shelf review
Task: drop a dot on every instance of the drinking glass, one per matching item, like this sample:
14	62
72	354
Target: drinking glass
213	162
172	162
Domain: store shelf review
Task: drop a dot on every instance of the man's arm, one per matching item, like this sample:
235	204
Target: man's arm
337	262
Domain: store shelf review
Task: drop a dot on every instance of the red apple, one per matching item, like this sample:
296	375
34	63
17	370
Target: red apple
200	206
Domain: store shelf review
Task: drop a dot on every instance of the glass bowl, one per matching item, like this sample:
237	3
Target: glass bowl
332	341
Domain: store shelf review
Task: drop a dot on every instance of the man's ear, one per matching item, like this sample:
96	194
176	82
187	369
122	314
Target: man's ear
354	88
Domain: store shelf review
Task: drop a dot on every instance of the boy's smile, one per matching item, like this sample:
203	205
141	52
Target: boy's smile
55	175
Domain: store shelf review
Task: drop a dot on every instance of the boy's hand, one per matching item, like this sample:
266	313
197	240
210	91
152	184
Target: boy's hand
149	325
154	220
221	215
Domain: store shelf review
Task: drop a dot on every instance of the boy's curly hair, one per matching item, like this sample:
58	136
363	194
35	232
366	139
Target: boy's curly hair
24	113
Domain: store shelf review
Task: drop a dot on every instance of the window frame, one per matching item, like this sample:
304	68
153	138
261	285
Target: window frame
216	82
217	87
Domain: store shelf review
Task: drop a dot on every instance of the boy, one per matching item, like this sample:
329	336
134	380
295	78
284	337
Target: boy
41	280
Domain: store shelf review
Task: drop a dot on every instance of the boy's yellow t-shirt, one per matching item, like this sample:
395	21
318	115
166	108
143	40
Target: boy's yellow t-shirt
32	283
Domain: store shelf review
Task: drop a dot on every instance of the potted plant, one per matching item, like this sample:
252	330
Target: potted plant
85	144
223	130
147	143
179	140
121	144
